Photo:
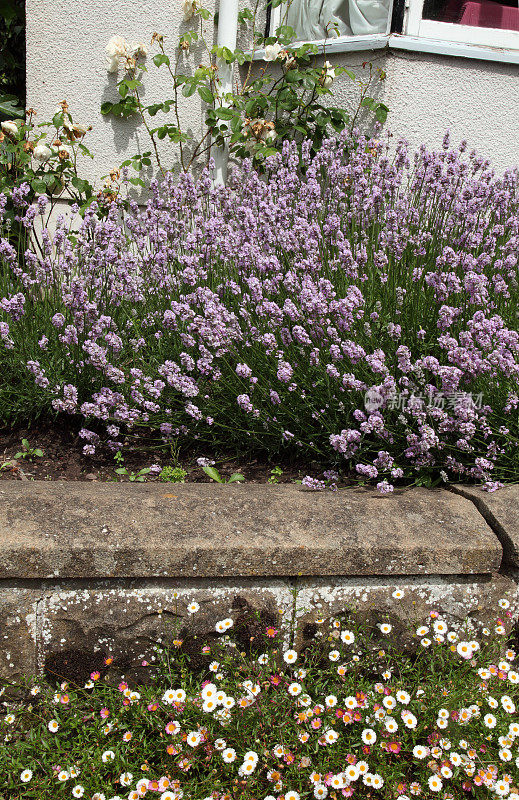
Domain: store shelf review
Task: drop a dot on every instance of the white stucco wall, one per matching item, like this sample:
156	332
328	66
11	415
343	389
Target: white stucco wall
476	100
66	42
428	94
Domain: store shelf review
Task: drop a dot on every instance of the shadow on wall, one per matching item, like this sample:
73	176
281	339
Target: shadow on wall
129	134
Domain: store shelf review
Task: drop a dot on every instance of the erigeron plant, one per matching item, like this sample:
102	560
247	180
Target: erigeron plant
350	713
284	100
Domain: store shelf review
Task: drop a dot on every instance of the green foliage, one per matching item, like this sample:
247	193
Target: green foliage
213	473
45	156
134	477
275	475
139	476
12	59
10	107
28	452
173	475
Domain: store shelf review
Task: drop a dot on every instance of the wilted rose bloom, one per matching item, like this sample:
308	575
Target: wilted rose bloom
189	9
79	130
328	75
138	50
259	129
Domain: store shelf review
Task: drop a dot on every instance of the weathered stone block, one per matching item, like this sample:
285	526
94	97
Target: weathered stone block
460	602
53	530
18	610
501	510
127	623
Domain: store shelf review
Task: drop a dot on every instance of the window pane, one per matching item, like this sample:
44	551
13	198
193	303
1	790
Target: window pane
319	19
478	13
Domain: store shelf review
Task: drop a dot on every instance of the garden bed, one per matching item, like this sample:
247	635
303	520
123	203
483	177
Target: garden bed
62	459
348	308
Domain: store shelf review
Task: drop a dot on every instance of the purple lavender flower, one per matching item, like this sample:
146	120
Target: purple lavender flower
313	483
205	462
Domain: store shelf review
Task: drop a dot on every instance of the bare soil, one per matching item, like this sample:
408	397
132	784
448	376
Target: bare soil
63	459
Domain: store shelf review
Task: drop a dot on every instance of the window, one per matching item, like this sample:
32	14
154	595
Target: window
478	22
333	20
475	28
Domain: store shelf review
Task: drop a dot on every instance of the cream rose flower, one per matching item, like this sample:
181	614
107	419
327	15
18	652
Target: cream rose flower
42	152
273	51
10	128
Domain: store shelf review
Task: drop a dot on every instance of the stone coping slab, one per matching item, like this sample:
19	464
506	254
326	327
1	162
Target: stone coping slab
501	511
126	530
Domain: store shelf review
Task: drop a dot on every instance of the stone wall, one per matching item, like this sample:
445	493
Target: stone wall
111	568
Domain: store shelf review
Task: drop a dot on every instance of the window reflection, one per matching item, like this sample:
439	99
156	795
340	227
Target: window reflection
319	19
478	13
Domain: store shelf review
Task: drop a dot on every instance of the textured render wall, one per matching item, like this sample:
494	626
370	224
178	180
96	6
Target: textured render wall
65	59
427	94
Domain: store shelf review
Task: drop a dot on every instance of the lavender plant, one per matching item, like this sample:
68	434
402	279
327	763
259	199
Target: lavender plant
359	308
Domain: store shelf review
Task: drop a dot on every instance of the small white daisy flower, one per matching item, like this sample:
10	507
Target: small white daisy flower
193	738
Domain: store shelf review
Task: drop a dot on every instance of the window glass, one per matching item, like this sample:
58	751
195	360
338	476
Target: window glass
321	19
477	13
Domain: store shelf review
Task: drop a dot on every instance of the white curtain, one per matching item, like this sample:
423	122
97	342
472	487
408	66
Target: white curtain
311	19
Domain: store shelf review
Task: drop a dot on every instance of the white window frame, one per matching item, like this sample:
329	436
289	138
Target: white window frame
426	36
415	25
